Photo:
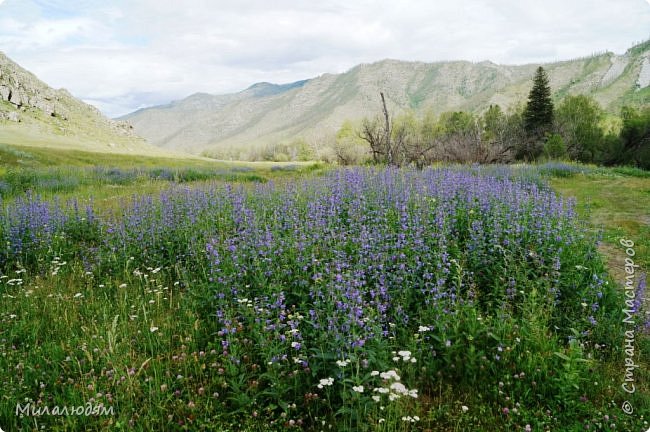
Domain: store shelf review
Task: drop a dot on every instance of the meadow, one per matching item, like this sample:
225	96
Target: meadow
231	298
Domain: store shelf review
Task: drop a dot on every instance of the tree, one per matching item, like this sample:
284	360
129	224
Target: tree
554	148
635	136
538	114
460	136
499	135
372	133
349	148
578	121
378	133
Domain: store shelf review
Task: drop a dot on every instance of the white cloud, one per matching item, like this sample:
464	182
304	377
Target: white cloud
138	52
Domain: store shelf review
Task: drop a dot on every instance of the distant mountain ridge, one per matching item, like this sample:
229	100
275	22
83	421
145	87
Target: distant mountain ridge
314	109
32	113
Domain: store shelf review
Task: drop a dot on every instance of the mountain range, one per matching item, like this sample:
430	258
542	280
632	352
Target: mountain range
314	109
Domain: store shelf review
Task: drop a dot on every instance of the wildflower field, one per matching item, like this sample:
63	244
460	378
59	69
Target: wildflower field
363	299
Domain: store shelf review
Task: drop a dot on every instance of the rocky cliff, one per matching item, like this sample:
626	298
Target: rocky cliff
33	113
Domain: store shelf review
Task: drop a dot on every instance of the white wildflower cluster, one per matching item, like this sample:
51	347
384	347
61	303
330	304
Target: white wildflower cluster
56	265
391	374
411	419
325	382
358	389
15	281
405	356
245	302
139	273
293	332
394	389
423	329
342	363
398	390
153	286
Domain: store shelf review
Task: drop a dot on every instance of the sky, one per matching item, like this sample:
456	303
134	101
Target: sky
122	55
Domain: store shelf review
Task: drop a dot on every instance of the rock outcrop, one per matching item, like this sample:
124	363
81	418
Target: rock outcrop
11	116
23	90
31	109
644	75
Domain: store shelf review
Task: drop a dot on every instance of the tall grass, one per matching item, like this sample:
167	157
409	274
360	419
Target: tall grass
66	179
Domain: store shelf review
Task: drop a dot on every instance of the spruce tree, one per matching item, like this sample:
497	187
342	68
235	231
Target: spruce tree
538	115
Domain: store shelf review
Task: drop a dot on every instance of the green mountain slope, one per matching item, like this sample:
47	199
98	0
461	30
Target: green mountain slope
315	109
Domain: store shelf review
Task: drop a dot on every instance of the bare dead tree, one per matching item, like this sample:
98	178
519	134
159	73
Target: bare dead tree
372	133
385	147
390	157
420	151
341	157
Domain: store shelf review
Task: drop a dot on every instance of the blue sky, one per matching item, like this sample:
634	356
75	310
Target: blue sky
126	54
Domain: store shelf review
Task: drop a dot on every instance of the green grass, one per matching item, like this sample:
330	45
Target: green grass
81	174
35	156
616	201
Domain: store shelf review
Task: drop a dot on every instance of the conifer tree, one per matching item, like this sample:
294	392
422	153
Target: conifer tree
537	118
538	115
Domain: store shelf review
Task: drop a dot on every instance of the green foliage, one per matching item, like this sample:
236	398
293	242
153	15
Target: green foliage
635	136
631	171
291	151
454	136
578	119
430	128
612	150
349	148
578	130
493	122
456	122
554	147
295	150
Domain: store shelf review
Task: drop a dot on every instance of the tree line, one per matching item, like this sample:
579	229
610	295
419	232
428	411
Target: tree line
577	129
